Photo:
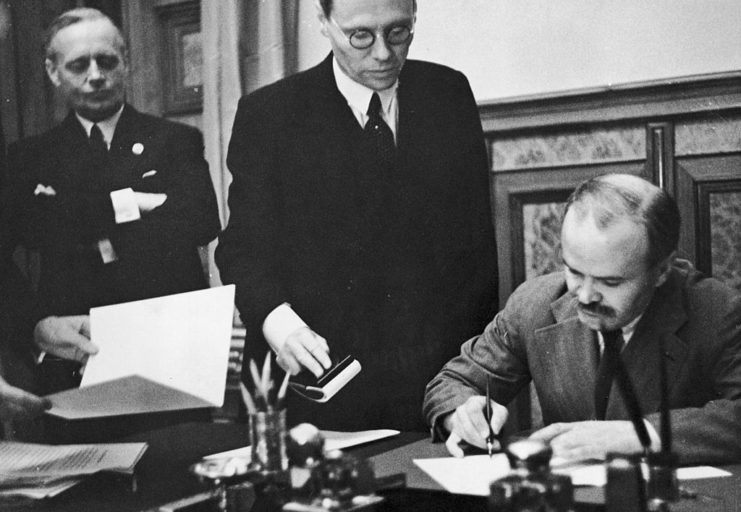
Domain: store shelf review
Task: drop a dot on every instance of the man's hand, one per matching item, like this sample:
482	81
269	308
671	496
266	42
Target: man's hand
67	337
16	403
304	348
468	423
590	439
148	201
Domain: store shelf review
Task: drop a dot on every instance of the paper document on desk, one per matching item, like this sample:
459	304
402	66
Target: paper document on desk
333	440
162	354
472	474
594	474
39	470
468	475
41	491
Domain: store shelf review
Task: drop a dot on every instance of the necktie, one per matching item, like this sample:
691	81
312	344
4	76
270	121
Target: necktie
98	147
613	341
380	136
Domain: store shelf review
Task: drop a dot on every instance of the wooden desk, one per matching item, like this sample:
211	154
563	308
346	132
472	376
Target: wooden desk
163	476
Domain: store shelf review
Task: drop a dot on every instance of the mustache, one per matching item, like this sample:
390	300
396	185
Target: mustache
596	309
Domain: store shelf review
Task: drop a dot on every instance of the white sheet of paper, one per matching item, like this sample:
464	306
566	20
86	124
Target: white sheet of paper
38	492
29	462
472	475
180	342
40	471
595	474
468	475
333	440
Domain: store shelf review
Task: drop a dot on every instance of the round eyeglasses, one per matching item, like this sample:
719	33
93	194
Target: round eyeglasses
363	38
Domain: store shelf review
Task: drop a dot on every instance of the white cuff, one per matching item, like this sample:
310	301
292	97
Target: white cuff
279	324
124	205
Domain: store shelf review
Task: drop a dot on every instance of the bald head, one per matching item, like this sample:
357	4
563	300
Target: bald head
72	17
615	197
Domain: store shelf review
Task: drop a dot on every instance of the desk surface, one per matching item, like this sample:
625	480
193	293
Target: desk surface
163	476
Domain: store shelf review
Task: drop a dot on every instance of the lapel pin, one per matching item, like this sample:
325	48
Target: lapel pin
137	148
44	190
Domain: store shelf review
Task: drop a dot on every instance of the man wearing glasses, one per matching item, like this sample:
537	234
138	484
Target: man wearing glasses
360	220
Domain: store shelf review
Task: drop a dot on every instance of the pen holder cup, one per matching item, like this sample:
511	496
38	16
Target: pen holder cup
268	441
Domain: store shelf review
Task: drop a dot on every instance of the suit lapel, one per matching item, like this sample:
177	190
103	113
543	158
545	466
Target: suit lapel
124	165
76	166
566	363
326	106
662	319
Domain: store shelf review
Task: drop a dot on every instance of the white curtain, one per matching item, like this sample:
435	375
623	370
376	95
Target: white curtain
246	44
269	41
222	88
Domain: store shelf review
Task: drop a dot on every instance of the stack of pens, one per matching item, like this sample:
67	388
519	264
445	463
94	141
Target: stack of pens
267	420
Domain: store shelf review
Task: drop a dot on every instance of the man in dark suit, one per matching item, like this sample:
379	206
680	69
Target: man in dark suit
361	232
15	331
14	402
114	202
622	293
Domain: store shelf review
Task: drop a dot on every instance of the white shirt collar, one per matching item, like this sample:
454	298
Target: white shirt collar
628	331
107	126
358	97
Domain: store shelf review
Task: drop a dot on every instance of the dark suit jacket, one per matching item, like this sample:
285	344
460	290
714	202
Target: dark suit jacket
157	255
538	336
395	268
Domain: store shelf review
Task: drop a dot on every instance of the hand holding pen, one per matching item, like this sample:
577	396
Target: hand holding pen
474	424
491	438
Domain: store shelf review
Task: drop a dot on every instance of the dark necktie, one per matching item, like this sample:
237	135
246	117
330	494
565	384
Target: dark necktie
613	341
379	133
98	147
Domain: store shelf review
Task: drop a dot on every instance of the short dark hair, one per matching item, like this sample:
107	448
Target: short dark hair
72	17
613	196
327	6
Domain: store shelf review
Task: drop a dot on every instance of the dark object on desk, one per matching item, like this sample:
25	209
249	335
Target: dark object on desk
326	386
663	485
334	481
531	485
625	490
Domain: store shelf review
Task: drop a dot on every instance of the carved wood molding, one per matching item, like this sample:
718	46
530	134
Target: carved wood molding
655	99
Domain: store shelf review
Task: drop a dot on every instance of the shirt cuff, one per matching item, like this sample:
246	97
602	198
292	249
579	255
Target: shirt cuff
279	324
653	435
125	208
39	356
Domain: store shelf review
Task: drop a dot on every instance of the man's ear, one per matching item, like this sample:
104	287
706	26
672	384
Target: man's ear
663	268
52	72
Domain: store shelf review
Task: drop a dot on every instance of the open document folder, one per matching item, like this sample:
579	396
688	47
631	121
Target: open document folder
161	354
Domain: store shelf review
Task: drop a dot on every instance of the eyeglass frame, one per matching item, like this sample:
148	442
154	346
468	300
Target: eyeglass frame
374	33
